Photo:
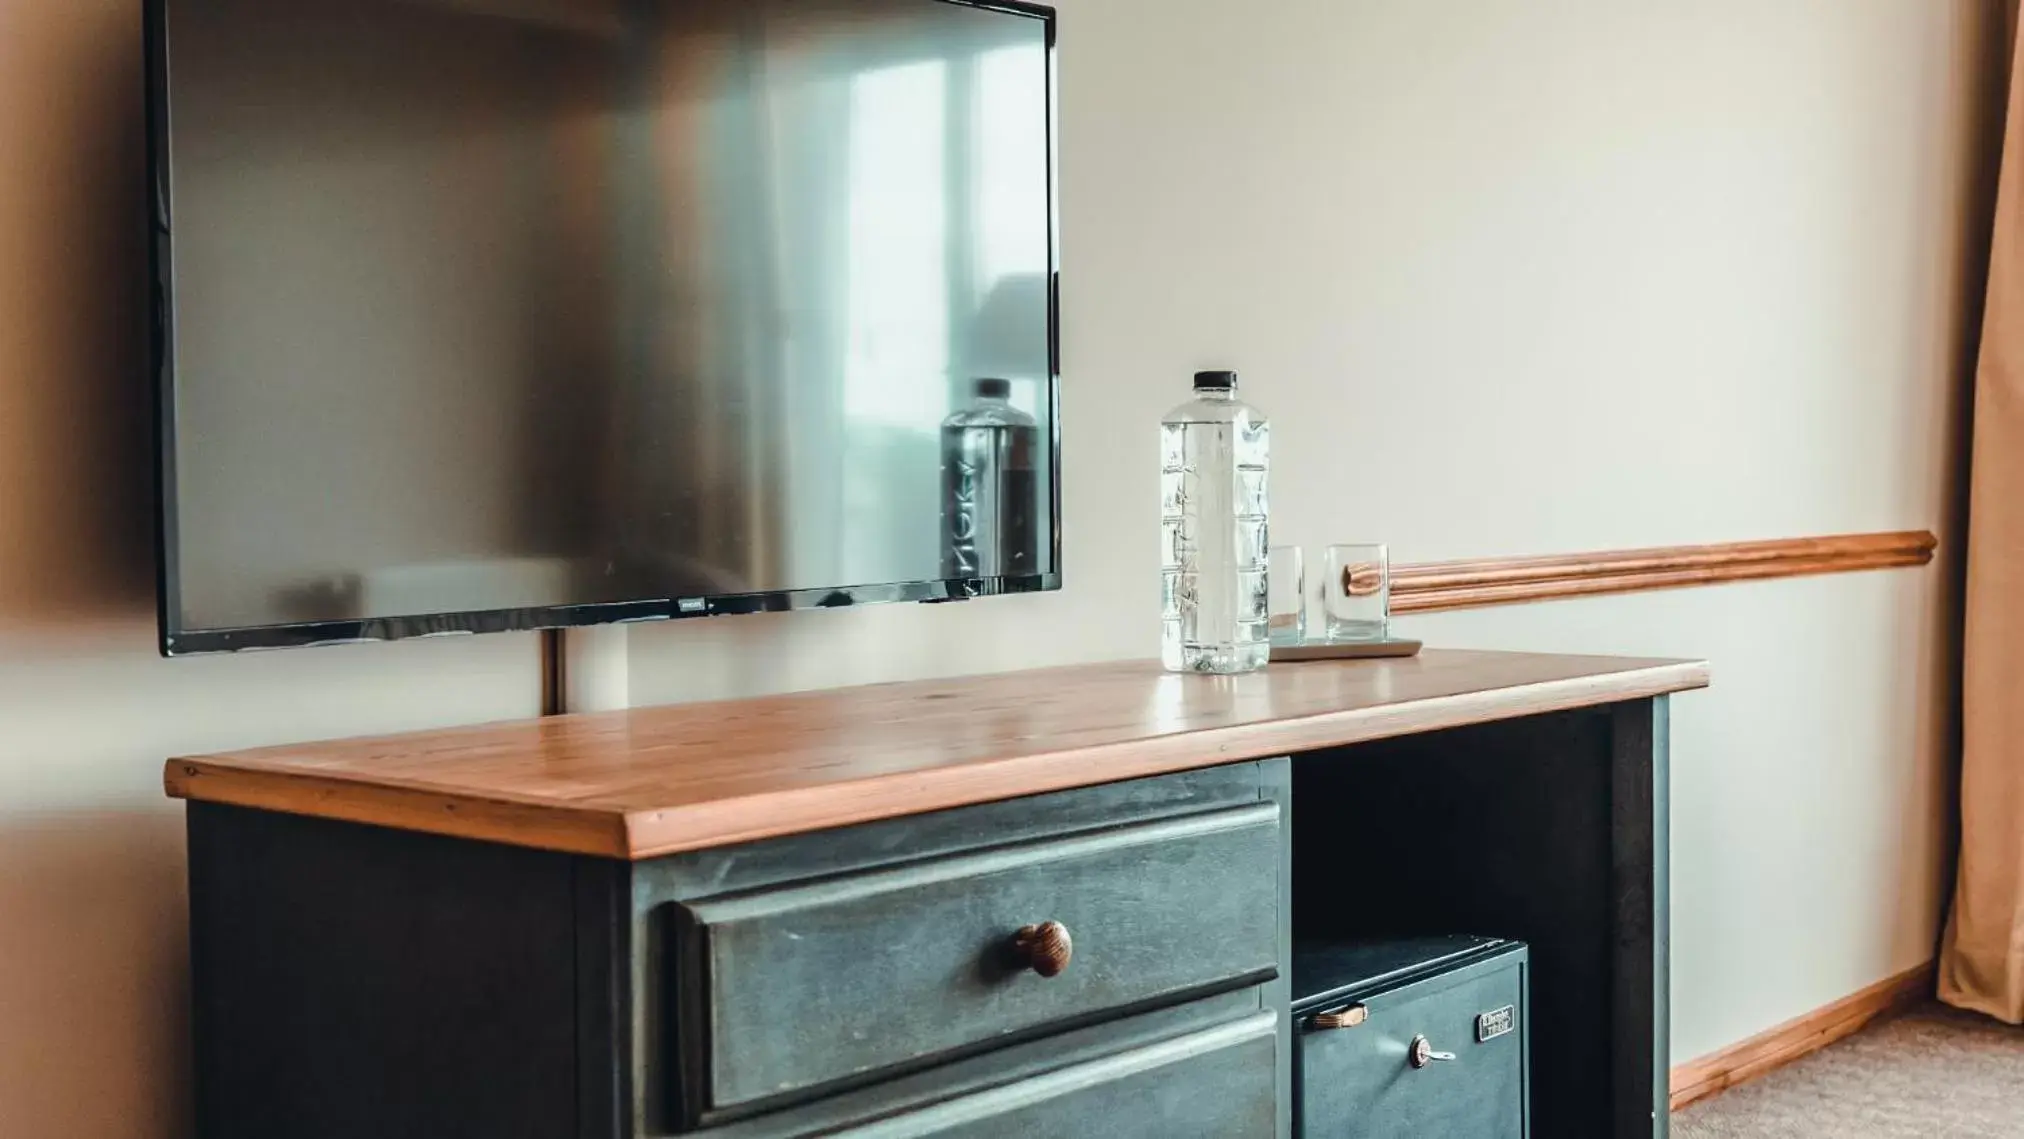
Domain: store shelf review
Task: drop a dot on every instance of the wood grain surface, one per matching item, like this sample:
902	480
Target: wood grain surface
1429	587
653	781
1801	1036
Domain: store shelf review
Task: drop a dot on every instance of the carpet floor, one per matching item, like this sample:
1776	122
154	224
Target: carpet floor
1928	1072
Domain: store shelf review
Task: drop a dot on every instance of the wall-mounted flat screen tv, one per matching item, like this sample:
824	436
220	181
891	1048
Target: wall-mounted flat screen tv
478	315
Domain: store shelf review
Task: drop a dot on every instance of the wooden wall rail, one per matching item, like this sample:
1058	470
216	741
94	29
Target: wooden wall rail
1430	587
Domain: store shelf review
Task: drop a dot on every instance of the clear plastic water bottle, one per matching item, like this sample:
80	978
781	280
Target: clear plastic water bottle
990	488
1215	455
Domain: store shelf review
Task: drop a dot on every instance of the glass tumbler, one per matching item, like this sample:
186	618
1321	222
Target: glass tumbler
1356	592
1286	594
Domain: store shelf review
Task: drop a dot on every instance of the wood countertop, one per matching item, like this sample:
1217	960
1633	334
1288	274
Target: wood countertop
655	781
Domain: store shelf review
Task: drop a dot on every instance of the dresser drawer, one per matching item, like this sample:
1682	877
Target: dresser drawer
1214	1084
784	991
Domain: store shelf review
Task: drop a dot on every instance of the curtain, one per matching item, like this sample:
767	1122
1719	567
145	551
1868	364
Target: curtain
1982	955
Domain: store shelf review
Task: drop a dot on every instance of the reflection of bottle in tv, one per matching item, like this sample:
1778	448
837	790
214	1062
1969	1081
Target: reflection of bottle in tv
990	487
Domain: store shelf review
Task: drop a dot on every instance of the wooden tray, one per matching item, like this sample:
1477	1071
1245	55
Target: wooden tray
1344	650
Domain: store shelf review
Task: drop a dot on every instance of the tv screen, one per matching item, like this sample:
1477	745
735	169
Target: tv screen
477	315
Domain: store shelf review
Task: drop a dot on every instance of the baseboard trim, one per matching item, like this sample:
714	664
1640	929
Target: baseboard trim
1797	1037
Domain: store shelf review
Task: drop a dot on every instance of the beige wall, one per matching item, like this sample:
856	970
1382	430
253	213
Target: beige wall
1512	276
93	1000
1518	277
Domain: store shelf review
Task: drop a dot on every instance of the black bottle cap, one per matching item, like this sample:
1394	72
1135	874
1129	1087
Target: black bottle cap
994	389
1215	381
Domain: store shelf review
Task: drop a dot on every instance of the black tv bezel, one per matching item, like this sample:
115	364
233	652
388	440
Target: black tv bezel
176	641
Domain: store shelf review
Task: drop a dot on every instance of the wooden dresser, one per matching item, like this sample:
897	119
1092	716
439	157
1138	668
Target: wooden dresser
1053	902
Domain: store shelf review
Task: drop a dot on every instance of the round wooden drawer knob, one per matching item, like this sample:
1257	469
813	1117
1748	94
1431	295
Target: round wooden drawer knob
1044	948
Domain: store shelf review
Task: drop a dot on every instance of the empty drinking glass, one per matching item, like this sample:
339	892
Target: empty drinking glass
1356	592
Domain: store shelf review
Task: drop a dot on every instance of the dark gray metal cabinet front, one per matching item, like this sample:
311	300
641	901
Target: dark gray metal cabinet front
1215	1084
804	986
354	980
1361	1082
1135	1052
789	973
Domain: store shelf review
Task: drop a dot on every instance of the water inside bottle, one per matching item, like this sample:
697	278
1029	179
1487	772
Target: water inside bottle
1214	464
